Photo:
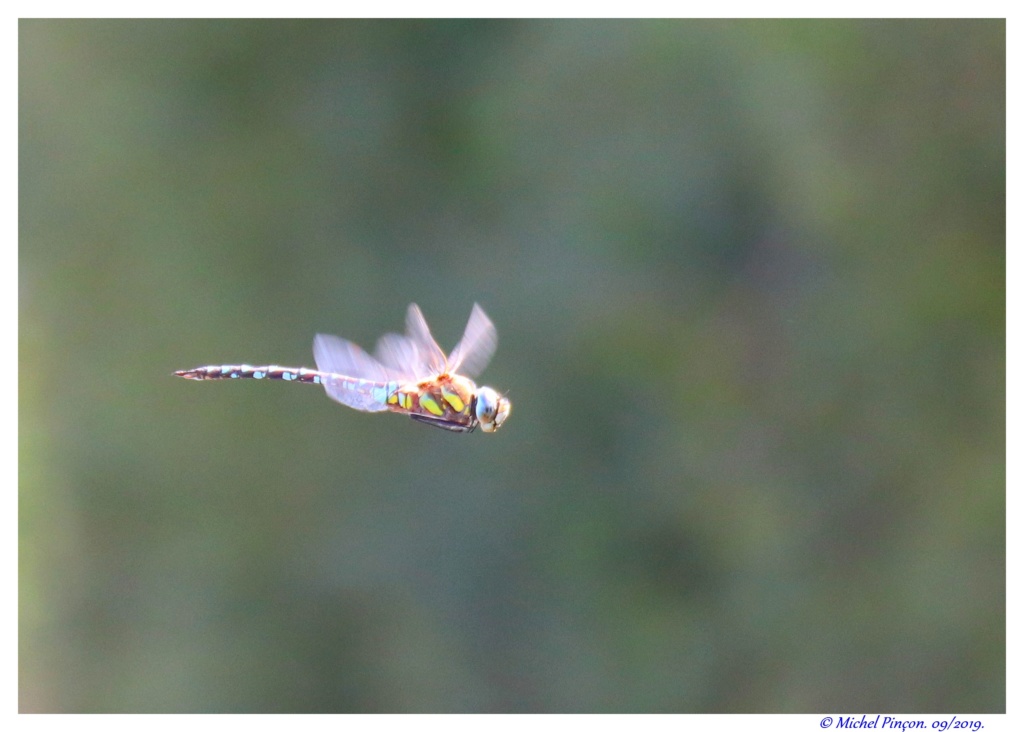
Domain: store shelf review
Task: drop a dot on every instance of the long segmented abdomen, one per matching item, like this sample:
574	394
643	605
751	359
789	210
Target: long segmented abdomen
245	371
361	394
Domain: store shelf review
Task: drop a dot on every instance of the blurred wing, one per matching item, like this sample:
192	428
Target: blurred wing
337	358
430	357
477	346
402	358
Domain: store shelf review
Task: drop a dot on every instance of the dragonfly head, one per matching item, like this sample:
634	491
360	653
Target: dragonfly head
491	409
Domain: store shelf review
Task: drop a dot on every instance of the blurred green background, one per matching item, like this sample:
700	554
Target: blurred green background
749	281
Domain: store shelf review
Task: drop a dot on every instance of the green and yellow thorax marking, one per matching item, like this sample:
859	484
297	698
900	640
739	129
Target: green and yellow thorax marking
449	397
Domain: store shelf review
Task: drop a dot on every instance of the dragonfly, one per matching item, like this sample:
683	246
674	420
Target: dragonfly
408	374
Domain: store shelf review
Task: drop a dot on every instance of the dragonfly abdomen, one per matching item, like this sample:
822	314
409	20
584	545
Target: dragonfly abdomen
245	371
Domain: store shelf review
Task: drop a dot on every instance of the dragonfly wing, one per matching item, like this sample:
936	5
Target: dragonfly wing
477	346
338	356
430	357
344	365
402	358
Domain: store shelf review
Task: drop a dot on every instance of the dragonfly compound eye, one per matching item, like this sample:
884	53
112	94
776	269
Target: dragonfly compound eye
491	409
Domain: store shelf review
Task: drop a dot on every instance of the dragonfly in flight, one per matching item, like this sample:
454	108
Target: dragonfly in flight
408	374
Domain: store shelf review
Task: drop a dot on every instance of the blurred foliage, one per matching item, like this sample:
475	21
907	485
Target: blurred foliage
749	279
